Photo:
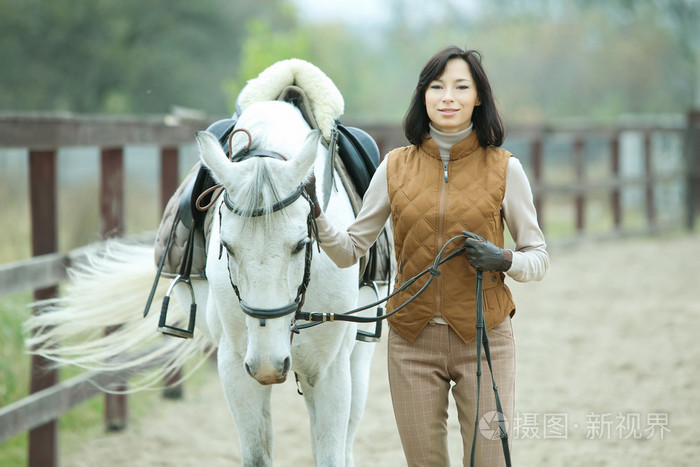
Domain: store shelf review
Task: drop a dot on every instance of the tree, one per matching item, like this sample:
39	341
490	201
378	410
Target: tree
122	57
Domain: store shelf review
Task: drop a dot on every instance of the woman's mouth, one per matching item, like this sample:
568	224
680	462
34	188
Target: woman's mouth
448	111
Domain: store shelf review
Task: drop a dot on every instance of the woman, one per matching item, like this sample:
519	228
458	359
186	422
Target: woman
453	178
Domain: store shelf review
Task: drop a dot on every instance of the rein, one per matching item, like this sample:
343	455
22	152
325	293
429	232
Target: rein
318	318
481	336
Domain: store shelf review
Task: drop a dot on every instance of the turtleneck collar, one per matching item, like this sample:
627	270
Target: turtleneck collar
440	143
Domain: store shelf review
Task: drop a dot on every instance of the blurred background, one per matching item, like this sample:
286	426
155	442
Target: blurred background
547	59
620	70
601	99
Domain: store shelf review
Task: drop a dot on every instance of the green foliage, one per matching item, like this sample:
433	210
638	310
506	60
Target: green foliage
547	59
120	57
262	47
14	368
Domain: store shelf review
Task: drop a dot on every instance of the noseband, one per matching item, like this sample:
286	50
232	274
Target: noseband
270	313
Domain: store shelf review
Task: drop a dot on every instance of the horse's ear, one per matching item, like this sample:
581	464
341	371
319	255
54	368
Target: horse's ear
306	157
211	154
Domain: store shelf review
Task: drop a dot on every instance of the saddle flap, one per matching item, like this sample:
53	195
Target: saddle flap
187	210
360	154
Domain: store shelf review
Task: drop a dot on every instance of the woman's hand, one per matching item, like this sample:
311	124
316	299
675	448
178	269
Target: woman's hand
310	188
485	256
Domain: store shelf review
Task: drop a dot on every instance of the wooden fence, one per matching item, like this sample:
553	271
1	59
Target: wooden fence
44	135
650	157
564	175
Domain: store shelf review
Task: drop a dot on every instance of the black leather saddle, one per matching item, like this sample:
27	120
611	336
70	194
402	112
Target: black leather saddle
360	154
188	213
357	150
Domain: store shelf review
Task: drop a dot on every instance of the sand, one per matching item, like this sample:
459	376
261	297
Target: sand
607	369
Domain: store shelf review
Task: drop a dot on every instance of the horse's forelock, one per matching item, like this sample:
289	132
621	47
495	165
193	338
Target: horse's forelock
256	190
261	185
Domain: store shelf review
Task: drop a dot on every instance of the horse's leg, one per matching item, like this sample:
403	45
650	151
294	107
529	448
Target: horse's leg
360	362
328	399
249	403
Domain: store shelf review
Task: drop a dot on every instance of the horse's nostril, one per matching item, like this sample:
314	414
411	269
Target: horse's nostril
247	369
287	365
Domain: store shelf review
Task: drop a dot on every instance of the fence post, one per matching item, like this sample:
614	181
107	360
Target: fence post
536	149
616	191
649	182
692	154
169	168
579	147
116	409
43	441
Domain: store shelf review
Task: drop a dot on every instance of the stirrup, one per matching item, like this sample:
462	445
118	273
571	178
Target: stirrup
366	336
172	330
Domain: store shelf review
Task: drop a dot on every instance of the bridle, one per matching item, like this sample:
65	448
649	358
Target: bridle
295	306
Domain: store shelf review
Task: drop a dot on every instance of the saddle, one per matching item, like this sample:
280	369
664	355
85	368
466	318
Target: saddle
181	239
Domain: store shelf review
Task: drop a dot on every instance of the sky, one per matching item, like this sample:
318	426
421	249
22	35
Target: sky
372	12
356	12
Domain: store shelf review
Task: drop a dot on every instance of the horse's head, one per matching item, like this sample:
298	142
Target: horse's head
263	231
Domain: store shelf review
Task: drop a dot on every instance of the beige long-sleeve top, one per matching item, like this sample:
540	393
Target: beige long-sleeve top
530	259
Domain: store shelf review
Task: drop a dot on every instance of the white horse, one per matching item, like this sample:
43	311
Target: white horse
254	261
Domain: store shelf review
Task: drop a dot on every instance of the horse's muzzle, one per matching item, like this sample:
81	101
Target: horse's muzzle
269	375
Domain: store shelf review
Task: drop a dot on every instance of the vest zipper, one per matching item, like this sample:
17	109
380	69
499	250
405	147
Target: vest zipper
441	222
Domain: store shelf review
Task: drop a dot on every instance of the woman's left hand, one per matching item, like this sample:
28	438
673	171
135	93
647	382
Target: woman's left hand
484	255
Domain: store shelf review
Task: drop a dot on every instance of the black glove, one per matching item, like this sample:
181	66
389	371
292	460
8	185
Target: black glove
310	189
485	256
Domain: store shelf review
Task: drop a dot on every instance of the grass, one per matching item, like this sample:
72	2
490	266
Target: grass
78	225
82	422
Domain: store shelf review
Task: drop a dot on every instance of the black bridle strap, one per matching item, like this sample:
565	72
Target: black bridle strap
279	205
270	313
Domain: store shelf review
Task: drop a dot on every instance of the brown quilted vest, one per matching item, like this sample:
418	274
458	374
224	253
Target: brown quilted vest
427	211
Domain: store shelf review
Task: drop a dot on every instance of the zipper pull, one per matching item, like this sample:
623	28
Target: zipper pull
444	165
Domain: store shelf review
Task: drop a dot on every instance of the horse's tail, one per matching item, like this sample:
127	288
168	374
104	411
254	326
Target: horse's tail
108	292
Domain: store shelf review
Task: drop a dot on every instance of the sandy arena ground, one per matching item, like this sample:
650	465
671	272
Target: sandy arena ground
608	368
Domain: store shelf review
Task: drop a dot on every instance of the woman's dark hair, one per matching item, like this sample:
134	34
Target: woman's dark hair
486	120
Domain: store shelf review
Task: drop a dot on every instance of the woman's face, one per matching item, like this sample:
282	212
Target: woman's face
450	99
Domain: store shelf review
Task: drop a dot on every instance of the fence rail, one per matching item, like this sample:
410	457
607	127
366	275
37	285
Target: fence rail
43	135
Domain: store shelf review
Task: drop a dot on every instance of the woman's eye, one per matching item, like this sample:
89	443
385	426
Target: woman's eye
301	245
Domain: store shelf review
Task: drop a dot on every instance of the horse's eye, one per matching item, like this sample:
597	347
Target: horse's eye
301	245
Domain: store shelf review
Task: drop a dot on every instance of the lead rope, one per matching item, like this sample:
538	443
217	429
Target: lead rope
481	337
